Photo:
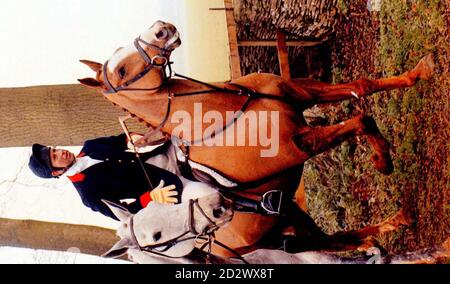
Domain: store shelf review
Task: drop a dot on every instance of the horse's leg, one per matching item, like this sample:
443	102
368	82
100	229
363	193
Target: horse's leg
276	238
305	229
301	222
365	235
320	92
314	141
359	239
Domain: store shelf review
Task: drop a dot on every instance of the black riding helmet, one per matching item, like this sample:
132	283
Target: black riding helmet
39	162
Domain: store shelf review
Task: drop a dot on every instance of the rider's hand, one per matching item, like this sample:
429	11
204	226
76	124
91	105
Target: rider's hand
144	149
164	194
134	137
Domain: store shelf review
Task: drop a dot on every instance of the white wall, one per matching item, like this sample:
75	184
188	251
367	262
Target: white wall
42	41
25	196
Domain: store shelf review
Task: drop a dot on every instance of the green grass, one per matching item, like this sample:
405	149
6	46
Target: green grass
408	31
342	6
344	191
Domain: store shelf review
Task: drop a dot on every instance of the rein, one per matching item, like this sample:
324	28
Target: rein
151	63
208	233
164	54
241	91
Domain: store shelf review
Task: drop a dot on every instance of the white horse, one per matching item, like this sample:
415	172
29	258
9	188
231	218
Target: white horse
165	229
162	234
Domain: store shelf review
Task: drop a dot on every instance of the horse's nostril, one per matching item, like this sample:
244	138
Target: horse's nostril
177	42
162	34
157	236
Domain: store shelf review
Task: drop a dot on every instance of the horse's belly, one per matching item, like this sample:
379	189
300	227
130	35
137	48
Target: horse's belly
257	145
244	164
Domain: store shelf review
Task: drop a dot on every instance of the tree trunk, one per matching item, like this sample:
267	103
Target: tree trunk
59	115
56	236
56	115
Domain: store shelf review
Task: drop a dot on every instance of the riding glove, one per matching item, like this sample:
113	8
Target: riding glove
164	194
135	137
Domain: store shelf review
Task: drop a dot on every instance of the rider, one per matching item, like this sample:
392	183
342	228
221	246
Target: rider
105	170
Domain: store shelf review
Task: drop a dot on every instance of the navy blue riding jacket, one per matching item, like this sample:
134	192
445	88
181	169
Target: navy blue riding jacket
119	176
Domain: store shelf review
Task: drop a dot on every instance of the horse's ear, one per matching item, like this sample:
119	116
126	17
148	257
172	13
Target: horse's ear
119	249
119	211
90	82
95	66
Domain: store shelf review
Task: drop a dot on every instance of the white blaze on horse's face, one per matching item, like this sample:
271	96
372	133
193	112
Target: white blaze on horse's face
161	34
161	39
120	55
158	224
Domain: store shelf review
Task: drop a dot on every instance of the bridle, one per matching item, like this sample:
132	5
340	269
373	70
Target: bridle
165	246
163	54
207	235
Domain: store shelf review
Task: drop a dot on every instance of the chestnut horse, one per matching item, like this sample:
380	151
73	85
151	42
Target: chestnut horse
136	78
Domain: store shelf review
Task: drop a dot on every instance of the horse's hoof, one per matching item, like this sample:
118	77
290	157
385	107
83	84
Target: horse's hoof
425	67
383	163
402	217
381	157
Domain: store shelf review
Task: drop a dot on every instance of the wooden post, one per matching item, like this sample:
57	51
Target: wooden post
283	60
235	64
285	72
283	57
274	43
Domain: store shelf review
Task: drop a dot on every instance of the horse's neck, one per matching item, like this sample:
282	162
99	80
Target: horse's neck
152	107
188	112
194	189
178	86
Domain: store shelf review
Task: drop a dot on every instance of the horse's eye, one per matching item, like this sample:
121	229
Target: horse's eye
157	236
122	72
218	212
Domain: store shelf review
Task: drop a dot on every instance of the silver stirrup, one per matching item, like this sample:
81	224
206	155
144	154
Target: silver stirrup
264	201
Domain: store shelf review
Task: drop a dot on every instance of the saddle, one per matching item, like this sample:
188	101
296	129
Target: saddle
271	202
